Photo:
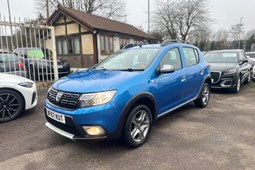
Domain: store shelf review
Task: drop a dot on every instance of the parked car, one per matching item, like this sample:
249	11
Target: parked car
10	63
63	65
39	62
130	46
229	69
16	95
251	57
124	94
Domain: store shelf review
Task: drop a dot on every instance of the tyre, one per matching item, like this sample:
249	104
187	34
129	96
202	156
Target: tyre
236	89
248	80
204	96
137	126
11	105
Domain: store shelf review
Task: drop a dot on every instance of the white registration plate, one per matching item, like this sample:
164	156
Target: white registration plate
55	116
59	66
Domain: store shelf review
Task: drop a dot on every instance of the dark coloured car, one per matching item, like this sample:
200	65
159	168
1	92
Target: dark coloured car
124	94
39	62
229	69
11	64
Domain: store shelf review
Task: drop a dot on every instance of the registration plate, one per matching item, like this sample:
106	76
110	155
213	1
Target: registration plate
59	66
55	116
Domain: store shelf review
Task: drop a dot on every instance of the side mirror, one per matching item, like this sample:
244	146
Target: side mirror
166	69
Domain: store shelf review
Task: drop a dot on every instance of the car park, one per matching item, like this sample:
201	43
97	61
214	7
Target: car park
251	57
229	69
10	63
16	95
124	94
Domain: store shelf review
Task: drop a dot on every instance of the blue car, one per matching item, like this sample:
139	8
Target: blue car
124	94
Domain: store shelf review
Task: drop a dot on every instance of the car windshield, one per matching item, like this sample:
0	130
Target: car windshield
6	57
221	57
251	55
35	53
130	60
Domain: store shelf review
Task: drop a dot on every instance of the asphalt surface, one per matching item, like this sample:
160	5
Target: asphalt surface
221	136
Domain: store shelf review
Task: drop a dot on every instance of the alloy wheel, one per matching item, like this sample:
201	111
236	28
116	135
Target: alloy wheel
238	84
205	95
140	126
9	106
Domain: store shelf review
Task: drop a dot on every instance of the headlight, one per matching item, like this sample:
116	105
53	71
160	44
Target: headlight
232	71
49	89
26	84
94	99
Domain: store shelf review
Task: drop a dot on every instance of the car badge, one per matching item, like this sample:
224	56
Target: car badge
59	96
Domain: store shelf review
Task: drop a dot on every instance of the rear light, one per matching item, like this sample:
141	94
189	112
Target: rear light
21	66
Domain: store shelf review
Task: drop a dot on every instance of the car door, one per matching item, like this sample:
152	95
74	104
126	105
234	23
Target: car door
170	86
194	72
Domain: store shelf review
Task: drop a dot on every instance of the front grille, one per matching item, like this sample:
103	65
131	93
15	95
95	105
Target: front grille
215	76
63	99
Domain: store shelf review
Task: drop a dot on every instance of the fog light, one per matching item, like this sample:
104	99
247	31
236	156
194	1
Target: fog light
94	130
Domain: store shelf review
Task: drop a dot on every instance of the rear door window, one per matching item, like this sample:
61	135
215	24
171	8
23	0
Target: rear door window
191	56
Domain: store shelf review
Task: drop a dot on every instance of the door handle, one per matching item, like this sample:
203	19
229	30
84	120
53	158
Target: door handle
183	78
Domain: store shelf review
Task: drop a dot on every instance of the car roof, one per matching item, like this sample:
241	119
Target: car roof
227	50
162	45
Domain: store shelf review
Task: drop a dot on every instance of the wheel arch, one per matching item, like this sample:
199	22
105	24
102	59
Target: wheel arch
142	98
21	95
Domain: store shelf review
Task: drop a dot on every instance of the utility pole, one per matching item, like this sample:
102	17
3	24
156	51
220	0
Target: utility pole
47	8
240	24
148	16
10	21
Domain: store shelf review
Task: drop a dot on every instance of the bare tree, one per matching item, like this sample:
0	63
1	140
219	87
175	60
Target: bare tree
191	15
113	9
221	37
181	17
164	17
236	31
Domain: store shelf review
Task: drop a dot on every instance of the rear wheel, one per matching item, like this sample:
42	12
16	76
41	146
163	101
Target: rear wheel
138	126
11	105
204	96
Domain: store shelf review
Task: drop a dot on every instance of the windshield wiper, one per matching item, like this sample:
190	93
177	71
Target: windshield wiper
131	69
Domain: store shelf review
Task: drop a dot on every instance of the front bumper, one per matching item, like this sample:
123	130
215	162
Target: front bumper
104	116
224	81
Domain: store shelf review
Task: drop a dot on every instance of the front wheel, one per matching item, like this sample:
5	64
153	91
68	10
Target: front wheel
236	89
11	105
138	126
204	96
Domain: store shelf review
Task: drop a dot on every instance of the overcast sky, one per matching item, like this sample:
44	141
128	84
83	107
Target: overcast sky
224	12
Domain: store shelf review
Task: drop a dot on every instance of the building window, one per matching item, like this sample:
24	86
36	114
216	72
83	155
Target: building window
68	46
106	42
138	41
123	41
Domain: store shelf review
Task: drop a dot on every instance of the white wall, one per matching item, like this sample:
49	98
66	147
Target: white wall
116	43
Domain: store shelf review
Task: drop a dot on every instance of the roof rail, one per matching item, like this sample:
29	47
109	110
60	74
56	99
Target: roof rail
167	42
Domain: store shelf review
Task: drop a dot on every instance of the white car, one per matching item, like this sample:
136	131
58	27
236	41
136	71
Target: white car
251	57
16	95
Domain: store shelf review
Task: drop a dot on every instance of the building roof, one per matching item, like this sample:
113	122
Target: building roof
94	22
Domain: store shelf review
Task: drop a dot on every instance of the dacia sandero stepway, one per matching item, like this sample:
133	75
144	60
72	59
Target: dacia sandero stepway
124	94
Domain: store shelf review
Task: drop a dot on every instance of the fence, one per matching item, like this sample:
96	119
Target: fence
28	49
